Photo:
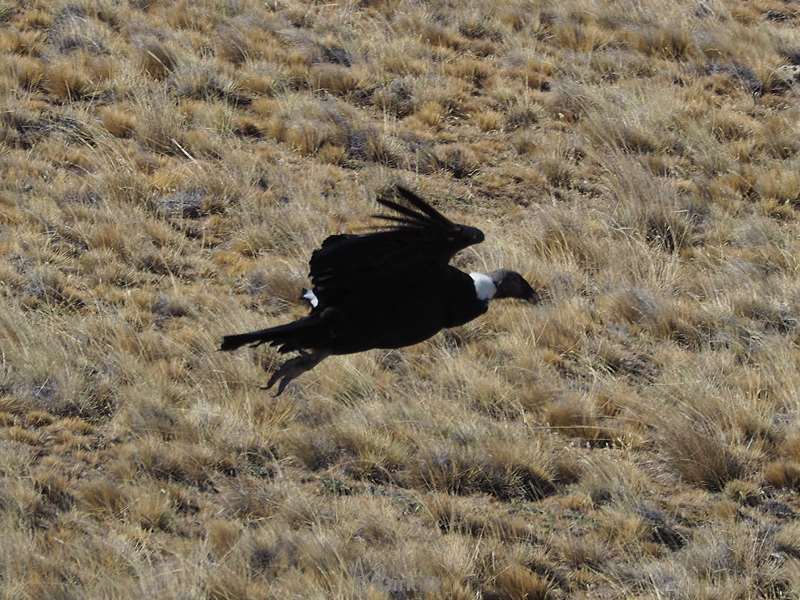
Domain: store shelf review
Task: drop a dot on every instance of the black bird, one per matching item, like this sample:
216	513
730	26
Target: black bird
388	288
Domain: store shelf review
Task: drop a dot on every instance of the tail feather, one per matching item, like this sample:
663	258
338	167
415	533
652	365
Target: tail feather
291	336
253	338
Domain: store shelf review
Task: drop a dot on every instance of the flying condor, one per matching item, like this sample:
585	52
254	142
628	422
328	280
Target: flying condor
388	288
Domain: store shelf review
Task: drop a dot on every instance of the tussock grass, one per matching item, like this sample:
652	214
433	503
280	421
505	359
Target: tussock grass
167	168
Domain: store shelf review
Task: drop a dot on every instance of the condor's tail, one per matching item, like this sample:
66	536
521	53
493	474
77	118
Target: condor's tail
253	338
305	333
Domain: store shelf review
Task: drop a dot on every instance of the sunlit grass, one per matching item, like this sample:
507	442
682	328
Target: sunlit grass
167	170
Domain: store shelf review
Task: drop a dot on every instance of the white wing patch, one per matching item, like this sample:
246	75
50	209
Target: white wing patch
311	297
485	288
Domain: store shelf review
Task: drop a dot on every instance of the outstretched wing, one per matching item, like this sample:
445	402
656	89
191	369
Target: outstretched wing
417	237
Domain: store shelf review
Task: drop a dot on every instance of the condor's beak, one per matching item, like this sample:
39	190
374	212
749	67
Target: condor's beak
532	296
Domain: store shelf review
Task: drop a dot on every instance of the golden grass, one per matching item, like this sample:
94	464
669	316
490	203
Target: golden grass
167	169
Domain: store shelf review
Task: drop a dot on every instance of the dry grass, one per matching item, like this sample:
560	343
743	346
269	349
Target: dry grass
167	169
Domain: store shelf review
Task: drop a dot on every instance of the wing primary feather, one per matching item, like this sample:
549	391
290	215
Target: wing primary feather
400	220
408	212
421	205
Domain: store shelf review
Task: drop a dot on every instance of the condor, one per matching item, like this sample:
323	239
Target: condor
388	288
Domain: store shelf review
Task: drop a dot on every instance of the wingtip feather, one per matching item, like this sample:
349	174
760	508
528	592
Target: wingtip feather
417	209
420	204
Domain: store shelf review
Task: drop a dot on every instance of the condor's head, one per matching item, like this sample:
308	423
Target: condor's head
503	284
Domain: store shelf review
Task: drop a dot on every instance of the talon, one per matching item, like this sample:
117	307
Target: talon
275	376
282	386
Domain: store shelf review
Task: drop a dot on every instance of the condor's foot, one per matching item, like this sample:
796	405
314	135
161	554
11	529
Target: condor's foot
293	368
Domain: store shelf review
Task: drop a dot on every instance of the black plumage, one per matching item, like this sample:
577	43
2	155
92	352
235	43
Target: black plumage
388	288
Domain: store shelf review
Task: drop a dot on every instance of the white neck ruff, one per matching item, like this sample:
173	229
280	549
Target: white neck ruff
311	297
485	288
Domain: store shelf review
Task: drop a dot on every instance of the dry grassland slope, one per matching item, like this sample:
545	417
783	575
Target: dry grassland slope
166	169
